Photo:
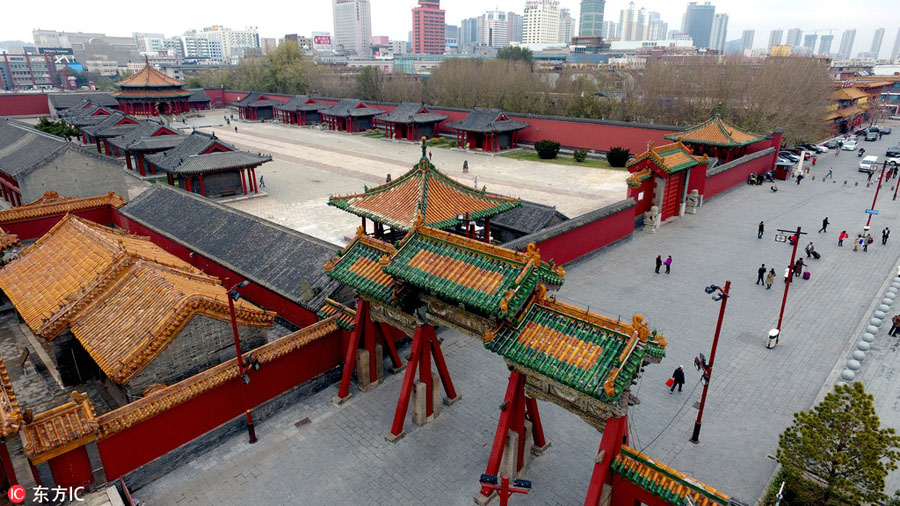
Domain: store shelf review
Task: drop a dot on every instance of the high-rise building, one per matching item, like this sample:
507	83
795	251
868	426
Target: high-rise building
747	37
895	52
657	29
174	47
541	24
516	26
566	26
717	34
775	38
793	37
825	44
428	28
590	20
495	29
610	30
468	33
876	42
451	32
148	41
268	44
197	46
626	22
847	39
352	26
90	46
235	43
698	20
809	42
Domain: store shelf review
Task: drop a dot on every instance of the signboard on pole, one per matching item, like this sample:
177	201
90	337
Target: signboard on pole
321	41
871	211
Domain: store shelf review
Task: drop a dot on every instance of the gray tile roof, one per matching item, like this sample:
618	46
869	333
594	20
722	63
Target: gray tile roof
86	116
282	260
252	97
67	100
412	112
529	218
22	147
487	120
109	127
196	164
157	143
145	129
198	96
298	103
193	144
350	107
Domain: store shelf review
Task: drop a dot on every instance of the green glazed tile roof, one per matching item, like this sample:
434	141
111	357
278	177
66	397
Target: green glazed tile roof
358	266
427	191
592	354
346	316
670	158
488	279
664	482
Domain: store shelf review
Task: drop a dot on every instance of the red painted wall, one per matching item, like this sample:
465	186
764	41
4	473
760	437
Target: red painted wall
588	238
259	295
72	469
32	229
737	175
697	179
127	450
646	202
626	493
25	104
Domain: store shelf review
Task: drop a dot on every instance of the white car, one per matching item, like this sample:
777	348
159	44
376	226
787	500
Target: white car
850	145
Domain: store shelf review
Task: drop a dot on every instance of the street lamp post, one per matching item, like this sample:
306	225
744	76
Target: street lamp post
243	370
707	368
797	233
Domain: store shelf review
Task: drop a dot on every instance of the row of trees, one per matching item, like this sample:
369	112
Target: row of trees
790	93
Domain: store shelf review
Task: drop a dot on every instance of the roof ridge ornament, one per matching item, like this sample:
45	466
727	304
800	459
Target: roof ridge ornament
424	156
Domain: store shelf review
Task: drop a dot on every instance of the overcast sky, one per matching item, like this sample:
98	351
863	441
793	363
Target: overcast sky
393	17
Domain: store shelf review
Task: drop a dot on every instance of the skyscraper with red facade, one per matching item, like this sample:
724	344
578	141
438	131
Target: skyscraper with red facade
428	28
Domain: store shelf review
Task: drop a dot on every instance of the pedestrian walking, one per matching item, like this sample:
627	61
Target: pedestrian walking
762	228
884	235
895	326
865	243
659	263
798	267
825	224
787	273
677	379
841	237
814	161
429	155
235	128
869	179
388	178
668	264
262	183
858	242
760	274
830	174
770	278
799	178
476	182
809	249
465	166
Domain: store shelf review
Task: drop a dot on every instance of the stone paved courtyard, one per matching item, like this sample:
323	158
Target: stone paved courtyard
341	457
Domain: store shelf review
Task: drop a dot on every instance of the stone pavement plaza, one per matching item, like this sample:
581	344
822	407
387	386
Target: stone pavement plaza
341	457
310	164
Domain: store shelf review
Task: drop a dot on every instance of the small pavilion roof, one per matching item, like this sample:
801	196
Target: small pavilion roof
359	266
148	129
299	103
590	353
158	143
198	95
124	298
669	158
350	107
412	112
847	94
190	145
425	191
256	100
149	77
716	132
90	115
486	121
664	482
113	126
199	164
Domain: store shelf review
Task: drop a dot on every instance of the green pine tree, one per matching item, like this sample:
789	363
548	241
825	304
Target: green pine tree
841	443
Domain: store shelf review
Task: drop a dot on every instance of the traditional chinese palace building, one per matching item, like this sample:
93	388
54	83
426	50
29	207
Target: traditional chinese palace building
256	107
149	92
660	175
717	138
300	110
411	121
349	115
146	139
487	129
113	125
428	192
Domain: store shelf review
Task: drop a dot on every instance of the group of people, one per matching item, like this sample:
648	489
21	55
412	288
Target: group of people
667	262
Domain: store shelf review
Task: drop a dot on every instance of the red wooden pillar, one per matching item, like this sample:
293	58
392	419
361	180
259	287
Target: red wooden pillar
18	197
614	436
243	183
140	163
253	174
128	160
8	465
364	329
187	183
97	142
202	189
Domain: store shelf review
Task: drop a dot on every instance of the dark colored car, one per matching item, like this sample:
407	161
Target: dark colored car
861	131
872	136
787	155
893	152
874	128
885	130
832	144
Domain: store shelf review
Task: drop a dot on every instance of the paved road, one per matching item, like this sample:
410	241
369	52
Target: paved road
341	457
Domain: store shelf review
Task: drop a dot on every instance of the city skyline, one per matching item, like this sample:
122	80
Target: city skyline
393	18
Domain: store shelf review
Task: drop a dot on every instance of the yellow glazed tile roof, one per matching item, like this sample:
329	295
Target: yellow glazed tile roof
60	429
717	132
10	412
52	204
670	158
663	481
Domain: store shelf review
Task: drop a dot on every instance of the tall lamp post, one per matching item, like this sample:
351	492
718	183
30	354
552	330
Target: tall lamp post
720	294
875	199
252	362
787	285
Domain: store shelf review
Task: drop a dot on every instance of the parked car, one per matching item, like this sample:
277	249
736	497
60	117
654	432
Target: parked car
894	117
787	155
832	144
814	148
893	152
872	136
868	164
861	131
885	130
849	145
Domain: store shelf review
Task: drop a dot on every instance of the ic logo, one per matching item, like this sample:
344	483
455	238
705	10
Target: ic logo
16	494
